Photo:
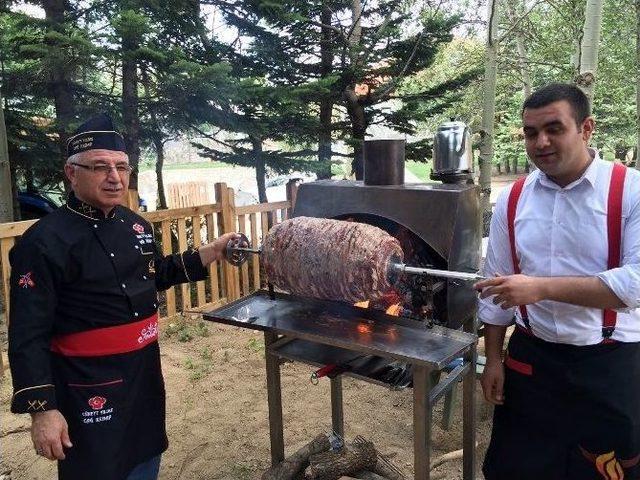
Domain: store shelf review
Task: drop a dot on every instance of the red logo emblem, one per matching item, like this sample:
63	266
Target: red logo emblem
26	281
138	228
97	402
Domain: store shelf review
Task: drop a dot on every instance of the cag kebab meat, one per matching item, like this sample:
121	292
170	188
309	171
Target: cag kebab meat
333	259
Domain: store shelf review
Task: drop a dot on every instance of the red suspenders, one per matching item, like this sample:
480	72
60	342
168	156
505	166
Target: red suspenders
514	196
614	237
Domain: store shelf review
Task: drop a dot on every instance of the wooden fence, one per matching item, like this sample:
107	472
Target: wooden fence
176	230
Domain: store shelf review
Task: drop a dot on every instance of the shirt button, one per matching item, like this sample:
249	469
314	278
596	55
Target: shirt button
112	254
124	286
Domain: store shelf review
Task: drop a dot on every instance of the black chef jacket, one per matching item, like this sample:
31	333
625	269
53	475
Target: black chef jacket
82	278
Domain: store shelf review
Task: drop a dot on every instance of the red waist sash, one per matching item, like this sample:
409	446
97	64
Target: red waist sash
109	340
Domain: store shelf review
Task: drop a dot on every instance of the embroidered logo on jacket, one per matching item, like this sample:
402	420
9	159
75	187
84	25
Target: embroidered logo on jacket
138	228
97	402
26	281
148	333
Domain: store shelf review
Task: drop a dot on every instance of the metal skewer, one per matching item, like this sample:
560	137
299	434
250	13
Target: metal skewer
467	277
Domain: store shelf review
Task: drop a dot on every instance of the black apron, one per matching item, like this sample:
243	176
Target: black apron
570	412
116	415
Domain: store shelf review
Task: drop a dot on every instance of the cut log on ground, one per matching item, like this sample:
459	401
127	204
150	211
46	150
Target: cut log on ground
384	470
365	475
292	466
348	460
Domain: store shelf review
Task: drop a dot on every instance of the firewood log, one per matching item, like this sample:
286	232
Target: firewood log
292	466
366	475
332	465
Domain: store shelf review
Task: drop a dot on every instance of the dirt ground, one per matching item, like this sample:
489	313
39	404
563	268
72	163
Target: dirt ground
217	412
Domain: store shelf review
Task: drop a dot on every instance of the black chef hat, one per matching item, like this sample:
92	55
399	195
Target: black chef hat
96	133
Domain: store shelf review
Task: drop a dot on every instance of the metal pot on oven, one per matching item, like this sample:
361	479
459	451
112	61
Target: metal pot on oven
452	153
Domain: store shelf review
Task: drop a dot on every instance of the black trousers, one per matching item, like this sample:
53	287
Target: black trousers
569	413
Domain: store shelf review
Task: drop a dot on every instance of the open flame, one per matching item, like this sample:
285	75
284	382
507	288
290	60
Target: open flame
394	310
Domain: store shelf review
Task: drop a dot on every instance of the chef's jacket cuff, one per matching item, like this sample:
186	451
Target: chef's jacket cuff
38	398
192	265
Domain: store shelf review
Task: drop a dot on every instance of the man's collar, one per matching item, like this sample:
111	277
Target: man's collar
85	210
590	174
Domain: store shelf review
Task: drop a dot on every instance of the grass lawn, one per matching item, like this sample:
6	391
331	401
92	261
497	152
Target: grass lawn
181	166
420	169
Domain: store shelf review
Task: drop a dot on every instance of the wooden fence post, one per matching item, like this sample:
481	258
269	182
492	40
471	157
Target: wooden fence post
292	193
227	223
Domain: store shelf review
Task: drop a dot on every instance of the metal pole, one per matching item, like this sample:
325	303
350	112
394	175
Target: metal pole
337	412
274	399
421	423
469	408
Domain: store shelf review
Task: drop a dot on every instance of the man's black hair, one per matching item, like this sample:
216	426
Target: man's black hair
555	92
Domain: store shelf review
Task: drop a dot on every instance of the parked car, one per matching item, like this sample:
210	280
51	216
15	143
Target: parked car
276	188
35	205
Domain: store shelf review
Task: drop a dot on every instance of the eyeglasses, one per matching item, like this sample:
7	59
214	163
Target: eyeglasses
104	169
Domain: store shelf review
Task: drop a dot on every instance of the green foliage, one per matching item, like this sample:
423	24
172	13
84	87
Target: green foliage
198	369
256	345
186	331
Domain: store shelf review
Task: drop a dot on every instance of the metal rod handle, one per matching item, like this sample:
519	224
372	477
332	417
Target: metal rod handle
468	277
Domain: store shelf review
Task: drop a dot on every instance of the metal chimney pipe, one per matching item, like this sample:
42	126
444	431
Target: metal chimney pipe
384	162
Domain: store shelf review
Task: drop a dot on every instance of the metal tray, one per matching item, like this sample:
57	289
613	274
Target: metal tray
345	326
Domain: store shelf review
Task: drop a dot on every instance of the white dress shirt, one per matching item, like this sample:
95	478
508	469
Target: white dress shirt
563	232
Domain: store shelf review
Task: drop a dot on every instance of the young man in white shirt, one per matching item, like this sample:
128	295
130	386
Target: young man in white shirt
564	258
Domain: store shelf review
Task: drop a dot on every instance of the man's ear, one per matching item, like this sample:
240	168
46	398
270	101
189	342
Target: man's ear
588	127
70	172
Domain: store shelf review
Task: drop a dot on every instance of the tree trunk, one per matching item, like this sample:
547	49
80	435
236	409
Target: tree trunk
488	114
6	190
637	84
358	130
59	77
130	115
589	47
261	170
158	145
158	142
523	62
326	104
354	108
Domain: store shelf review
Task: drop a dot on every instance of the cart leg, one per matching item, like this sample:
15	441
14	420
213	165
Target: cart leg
337	413
421	422
274	398
469	411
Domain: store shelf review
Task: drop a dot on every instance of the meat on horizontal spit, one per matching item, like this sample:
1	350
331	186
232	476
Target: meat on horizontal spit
330	259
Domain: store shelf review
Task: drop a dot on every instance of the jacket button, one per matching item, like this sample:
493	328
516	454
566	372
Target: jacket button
135	314
112	254
136	247
124	286
144	277
95	225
